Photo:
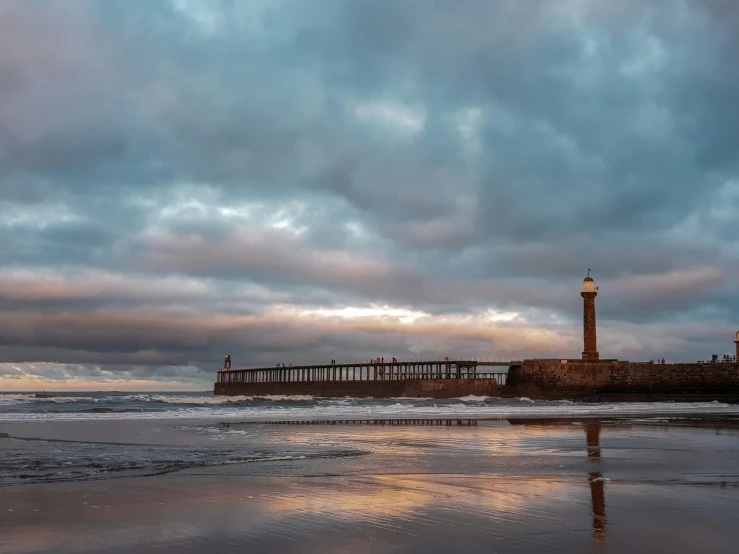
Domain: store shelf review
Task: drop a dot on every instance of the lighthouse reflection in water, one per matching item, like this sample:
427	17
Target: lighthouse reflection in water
597	482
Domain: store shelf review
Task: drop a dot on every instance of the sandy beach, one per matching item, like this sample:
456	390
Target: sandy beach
502	485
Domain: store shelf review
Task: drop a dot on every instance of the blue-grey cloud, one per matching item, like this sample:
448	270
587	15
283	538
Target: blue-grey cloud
236	159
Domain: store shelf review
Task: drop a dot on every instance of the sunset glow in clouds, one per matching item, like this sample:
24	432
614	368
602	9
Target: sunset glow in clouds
291	181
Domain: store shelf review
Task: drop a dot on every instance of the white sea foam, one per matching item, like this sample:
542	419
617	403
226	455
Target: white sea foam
200	399
288	398
215	400
404	408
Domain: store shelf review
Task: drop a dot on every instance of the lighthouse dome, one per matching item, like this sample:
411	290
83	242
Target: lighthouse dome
588	285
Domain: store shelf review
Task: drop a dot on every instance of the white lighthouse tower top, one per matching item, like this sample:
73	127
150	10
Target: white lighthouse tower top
588	285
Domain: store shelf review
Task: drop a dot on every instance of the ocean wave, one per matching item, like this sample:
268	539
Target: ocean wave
473	398
204	399
215	400
7	398
14	399
199	400
51	398
369	409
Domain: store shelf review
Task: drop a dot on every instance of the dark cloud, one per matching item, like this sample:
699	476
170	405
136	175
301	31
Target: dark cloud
182	177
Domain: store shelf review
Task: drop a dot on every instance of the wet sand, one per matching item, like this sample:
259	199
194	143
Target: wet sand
485	486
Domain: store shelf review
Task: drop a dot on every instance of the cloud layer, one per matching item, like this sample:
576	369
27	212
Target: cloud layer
292	181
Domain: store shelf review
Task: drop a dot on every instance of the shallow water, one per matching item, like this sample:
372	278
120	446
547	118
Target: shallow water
548	481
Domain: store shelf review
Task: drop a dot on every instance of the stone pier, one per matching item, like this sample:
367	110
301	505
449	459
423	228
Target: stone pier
607	380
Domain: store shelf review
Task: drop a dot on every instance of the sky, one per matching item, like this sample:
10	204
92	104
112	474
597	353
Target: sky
293	182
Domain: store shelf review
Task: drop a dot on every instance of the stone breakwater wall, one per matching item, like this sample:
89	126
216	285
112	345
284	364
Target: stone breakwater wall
410	388
614	380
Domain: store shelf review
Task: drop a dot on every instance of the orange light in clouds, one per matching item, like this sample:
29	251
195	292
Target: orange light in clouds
34	383
404	315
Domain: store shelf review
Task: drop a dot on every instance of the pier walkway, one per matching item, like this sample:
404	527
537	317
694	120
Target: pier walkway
381	371
409	378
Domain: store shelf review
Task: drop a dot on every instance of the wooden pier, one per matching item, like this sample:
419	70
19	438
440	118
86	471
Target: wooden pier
428	378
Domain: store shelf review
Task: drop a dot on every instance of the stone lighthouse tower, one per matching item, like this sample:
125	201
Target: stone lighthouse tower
736	341
588	292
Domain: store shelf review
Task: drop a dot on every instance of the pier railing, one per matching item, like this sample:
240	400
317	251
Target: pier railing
387	371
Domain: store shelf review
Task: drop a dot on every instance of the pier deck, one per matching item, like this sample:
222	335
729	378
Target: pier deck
430	378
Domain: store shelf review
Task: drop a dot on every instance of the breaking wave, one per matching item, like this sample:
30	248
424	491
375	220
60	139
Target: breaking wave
83	406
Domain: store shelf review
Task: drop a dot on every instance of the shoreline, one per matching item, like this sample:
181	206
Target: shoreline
400	408
519	485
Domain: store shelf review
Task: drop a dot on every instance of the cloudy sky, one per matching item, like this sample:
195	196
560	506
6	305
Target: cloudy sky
294	181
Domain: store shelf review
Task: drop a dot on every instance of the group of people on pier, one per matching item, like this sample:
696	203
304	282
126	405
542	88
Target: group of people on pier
381	360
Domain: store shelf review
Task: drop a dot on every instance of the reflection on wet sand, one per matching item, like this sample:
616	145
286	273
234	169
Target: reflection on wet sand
499	486
595	473
380	422
597	484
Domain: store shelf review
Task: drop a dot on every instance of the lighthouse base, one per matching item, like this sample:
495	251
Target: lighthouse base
611	380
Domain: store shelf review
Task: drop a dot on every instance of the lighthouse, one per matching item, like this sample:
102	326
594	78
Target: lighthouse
588	292
736	341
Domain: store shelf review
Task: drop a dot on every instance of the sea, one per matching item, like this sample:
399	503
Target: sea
80	406
67	436
124	472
